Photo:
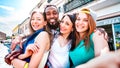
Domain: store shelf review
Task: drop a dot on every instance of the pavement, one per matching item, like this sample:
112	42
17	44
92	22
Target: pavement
3	52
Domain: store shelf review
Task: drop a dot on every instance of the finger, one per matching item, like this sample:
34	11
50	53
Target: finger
34	49
12	46
8	55
21	45
106	36
14	56
14	52
37	47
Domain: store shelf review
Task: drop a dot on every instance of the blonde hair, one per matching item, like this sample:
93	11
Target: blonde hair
30	27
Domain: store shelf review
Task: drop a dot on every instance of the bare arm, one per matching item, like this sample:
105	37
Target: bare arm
109	60
100	44
18	40
17	63
44	43
31	48
25	55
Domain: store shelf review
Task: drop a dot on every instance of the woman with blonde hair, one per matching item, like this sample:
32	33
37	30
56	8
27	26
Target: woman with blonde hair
40	40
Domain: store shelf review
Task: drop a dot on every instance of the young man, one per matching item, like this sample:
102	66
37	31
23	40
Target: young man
52	17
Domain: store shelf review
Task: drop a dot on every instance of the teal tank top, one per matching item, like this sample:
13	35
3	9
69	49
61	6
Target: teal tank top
80	54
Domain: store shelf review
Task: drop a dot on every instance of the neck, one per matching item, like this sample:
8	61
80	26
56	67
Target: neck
81	35
64	36
63	39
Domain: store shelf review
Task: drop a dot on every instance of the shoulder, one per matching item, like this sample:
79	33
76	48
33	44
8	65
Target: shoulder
43	33
97	35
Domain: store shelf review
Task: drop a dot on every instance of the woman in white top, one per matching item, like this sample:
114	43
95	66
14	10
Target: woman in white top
59	52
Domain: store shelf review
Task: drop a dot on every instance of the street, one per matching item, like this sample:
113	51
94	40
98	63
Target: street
3	52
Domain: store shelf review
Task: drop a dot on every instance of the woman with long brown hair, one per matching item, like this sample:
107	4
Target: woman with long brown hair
88	44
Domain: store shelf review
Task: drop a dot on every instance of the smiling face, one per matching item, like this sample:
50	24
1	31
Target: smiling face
37	21
81	23
66	25
52	15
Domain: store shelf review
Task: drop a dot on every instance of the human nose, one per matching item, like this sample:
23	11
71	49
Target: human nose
79	22
61	25
51	15
34	21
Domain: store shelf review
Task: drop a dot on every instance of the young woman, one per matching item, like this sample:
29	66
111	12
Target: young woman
40	39
88	44
59	52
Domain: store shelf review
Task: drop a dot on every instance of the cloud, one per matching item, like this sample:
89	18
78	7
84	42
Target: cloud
16	16
5	28
7	8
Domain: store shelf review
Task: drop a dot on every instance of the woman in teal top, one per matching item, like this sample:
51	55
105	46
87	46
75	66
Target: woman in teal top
87	44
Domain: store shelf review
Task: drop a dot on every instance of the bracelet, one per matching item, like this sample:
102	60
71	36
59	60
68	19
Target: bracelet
26	65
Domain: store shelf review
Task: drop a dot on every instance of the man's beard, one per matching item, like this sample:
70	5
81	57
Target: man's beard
53	26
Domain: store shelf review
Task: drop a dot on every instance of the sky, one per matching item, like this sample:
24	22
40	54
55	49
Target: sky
14	12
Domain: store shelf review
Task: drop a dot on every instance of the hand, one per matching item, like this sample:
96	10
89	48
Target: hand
33	47
15	42
12	55
101	31
109	60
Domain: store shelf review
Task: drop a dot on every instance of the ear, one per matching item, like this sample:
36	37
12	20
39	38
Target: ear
45	23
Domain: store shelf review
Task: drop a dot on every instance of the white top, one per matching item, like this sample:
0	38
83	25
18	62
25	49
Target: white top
59	56
44	59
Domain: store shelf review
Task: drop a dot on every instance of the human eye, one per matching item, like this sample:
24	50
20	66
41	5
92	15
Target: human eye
86	20
55	13
39	19
47	13
67	23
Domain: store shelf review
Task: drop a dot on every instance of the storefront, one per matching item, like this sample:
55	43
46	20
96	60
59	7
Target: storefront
112	26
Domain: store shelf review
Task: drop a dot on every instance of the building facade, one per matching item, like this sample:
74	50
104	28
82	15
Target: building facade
108	14
2	36
24	27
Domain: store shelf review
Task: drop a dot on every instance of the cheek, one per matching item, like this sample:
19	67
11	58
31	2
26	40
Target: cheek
70	29
87	26
56	16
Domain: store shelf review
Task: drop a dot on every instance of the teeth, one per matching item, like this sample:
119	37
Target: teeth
52	20
80	26
35	26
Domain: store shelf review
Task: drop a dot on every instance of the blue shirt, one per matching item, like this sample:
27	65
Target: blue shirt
30	40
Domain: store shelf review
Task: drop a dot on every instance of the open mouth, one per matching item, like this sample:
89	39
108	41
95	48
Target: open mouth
52	21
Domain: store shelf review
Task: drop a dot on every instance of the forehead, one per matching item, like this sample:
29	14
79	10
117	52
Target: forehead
82	15
37	14
51	8
67	19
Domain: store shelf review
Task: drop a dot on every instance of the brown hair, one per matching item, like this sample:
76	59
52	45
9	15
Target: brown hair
91	27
